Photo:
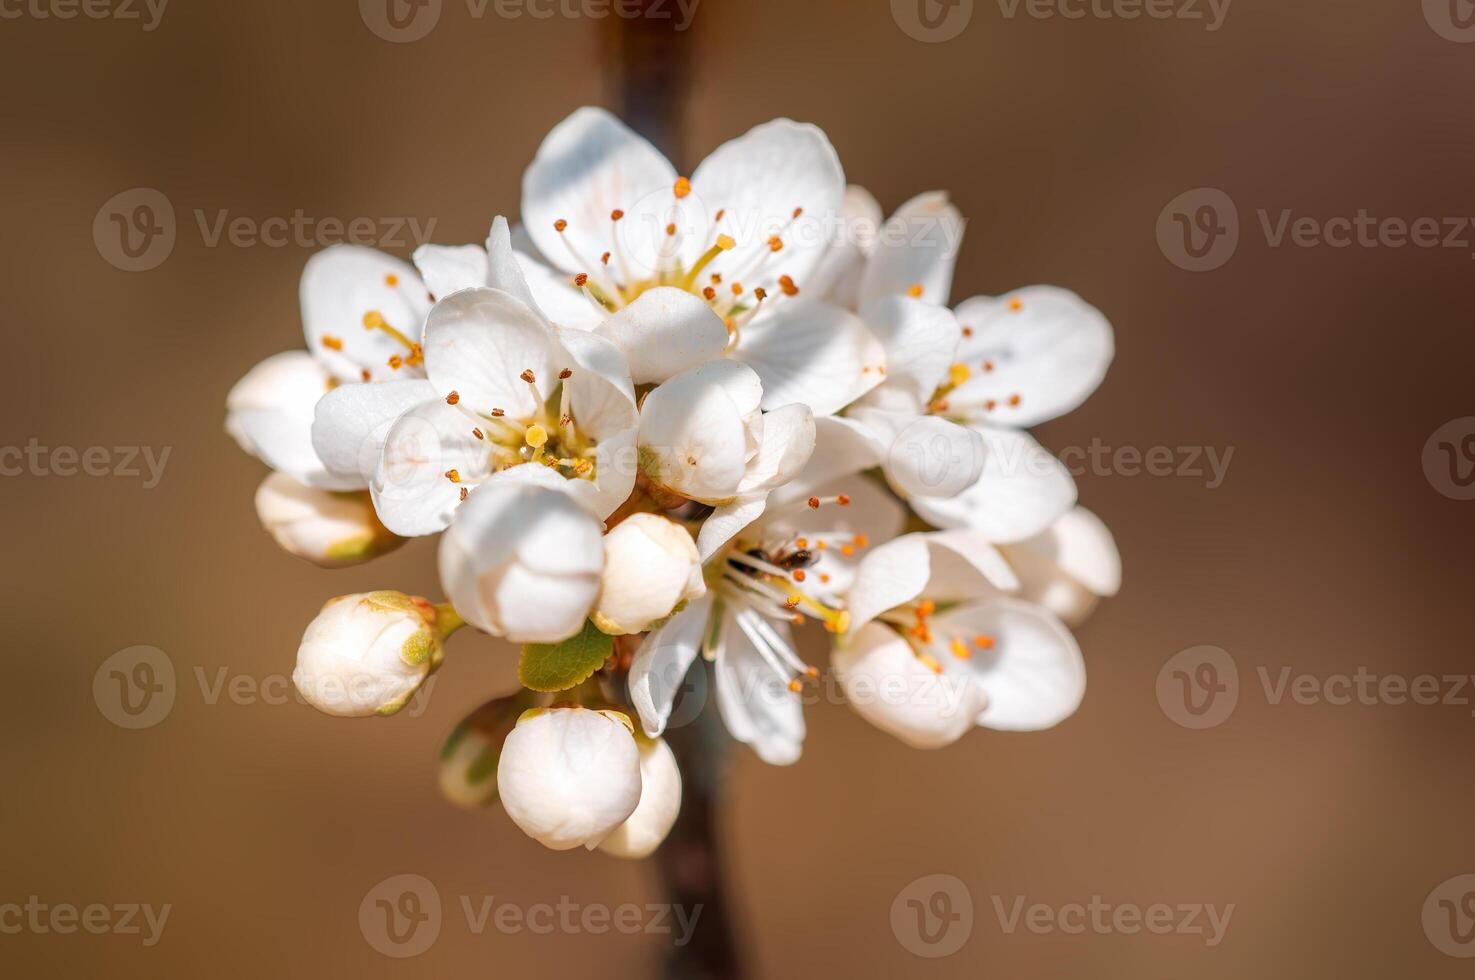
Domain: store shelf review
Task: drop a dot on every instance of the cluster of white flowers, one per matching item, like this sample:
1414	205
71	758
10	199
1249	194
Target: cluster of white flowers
667	416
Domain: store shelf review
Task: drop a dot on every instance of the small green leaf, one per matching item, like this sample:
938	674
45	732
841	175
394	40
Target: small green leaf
560	666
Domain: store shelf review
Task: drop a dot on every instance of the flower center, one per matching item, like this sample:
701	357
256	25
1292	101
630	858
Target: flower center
734	294
914	623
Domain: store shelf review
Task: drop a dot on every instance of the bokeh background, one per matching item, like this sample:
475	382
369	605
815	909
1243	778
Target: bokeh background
1324	549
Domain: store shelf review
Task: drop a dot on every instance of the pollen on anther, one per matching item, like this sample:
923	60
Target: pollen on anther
983	642
862	541
990	405
671	230
365	373
604	259
497	413
958	649
391	280
709	293
565	374
536	436
786	283
796	685
988	366
967	331
453	475
464	493
581	279
726	242
915	290
799	575
792	601
453	398
814	503
737	289
760	293
926	608
478	433
332	343
930	662
682	188
775	244
1014	401
1016	305
843	500
824	577
801	543
529	376
396	362
560	225
798	212
616	214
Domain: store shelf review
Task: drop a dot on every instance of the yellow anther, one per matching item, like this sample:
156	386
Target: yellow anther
959	650
915	291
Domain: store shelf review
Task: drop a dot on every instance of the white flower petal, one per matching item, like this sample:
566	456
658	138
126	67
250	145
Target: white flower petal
888	685
340	285
785	445
478	342
351	422
756	704
842	448
660	666
1042	343
918	247
451	268
921	343
812	352
724	523
412	493
664	332
927	456
758	180
557	296
660	802
837	278
693	433
1069	566
1034	674
503	269
941	566
590	165
1021	492
269	410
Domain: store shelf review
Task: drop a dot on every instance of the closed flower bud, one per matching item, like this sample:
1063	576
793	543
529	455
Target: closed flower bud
468	760
660	802
651	566
569	776
326	528
368	654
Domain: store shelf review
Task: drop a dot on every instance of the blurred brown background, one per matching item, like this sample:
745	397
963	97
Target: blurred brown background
1324	549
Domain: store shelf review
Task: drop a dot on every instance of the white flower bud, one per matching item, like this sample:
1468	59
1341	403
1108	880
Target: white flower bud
521	560
368	654
888	685
660	802
468	760
651	565
326	528
569	776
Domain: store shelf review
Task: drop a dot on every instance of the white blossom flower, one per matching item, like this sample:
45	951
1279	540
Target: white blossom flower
367	654
1069	567
946	425
505	387
793	564
569	776
660	802
523	557
940	601
362	313
327	528
677	271
651	566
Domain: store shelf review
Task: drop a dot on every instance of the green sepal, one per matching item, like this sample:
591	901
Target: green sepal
560	666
